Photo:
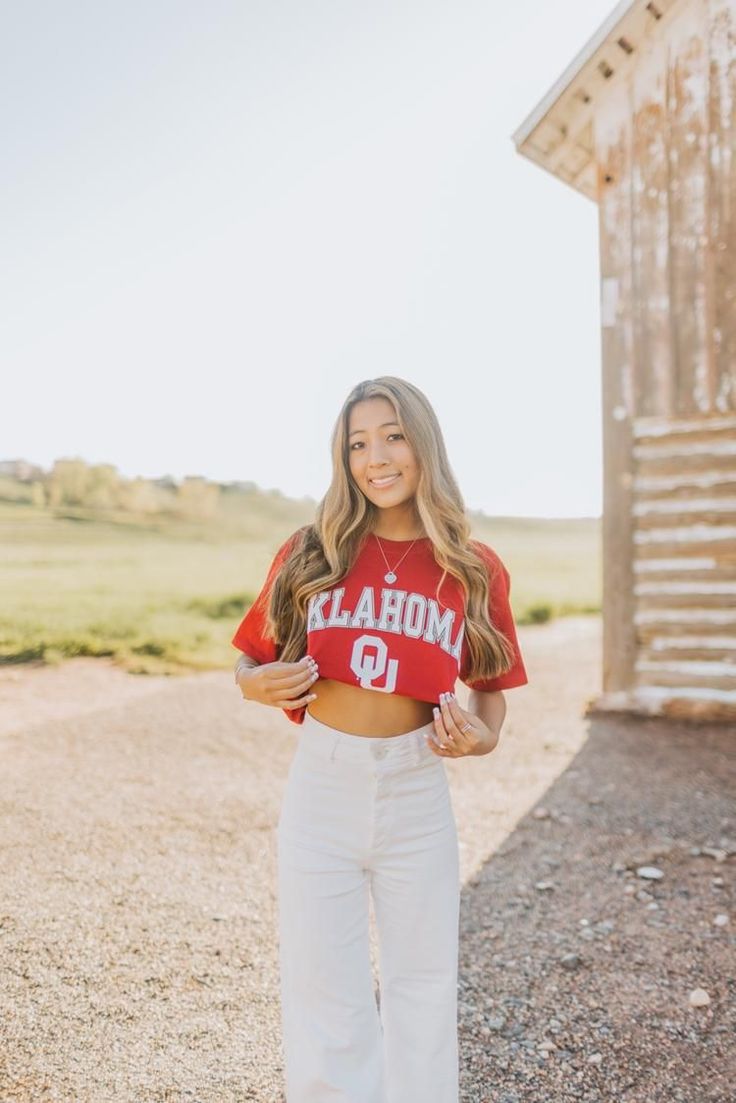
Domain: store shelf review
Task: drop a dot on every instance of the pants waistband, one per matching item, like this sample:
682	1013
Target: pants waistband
330	743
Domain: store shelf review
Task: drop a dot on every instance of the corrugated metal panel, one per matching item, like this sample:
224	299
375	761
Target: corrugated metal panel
684	532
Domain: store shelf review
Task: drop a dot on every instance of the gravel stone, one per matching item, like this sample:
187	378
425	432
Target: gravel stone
138	952
651	873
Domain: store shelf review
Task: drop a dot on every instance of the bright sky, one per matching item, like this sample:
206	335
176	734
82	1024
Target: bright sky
216	218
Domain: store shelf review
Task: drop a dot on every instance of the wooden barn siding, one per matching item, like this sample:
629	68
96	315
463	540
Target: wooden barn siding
666	152
684	506
722	207
619	637
666	149
688	252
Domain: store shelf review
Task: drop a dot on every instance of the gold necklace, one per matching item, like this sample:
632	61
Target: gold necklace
390	575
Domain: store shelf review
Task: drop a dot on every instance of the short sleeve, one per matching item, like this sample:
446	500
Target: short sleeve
250	634
500	615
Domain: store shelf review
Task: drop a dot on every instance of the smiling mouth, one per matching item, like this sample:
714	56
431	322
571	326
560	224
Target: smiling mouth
385	481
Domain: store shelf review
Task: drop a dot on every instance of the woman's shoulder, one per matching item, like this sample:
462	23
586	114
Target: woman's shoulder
483	549
294	542
299	536
489	555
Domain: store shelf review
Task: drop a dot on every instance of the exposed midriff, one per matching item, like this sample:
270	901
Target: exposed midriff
358	711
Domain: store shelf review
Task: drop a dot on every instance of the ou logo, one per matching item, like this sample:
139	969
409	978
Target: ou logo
367	667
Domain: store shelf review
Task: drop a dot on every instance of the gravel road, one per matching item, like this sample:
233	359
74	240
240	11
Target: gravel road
138	960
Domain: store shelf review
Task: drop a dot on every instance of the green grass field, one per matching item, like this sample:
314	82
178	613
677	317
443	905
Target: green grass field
165	596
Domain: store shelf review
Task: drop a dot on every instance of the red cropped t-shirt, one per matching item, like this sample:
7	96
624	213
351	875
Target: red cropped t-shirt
393	638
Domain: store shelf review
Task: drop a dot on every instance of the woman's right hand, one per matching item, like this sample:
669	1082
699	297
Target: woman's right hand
281	685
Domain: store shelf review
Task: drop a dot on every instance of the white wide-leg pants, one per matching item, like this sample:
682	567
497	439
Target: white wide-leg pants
368	814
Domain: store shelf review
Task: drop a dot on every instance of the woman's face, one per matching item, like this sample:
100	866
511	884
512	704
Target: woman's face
377	448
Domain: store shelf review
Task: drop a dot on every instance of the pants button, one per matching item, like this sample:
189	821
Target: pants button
380	751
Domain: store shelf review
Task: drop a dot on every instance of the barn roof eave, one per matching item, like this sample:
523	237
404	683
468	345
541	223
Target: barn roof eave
558	134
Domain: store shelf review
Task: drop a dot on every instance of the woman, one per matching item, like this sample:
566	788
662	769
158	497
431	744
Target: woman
366	619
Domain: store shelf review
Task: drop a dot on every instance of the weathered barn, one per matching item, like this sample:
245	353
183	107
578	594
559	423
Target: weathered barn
643	122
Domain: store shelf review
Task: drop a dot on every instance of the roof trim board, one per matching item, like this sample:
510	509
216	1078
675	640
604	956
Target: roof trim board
557	133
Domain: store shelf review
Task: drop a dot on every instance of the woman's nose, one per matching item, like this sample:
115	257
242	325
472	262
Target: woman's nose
377	454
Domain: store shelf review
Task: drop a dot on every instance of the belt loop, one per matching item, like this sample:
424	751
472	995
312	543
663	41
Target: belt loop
334	748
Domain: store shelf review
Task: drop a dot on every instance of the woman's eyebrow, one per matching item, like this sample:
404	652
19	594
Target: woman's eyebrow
380	427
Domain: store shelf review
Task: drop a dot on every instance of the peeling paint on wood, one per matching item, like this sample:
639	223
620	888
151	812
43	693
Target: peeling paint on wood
691	643
686	481
665	145
687	114
722	207
671	586
682	505
701	693
685	534
693	448
663	136
661	427
652	316
687	616
725	672
661	565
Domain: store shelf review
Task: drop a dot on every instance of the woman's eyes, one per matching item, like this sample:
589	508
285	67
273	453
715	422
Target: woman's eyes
352	446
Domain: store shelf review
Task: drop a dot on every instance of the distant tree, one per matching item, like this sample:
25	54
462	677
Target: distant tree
196	497
103	487
72	482
140	496
68	483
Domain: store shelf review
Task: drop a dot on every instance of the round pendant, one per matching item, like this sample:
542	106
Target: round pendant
390	577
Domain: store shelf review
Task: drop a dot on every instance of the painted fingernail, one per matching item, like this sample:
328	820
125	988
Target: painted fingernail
436	712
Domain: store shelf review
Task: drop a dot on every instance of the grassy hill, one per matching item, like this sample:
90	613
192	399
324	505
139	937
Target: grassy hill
164	593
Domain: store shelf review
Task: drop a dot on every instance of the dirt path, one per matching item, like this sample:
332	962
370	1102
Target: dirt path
138	960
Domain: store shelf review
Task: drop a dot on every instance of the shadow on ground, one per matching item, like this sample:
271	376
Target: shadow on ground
576	972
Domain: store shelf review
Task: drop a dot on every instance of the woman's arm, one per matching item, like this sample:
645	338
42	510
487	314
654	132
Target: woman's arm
488	707
244	665
282	685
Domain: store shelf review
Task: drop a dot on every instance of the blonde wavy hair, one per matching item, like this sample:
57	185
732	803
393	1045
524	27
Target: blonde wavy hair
321	553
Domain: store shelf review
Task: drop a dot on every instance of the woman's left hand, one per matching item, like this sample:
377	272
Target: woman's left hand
450	740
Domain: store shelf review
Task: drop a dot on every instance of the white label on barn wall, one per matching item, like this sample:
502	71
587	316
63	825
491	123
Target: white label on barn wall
609	300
